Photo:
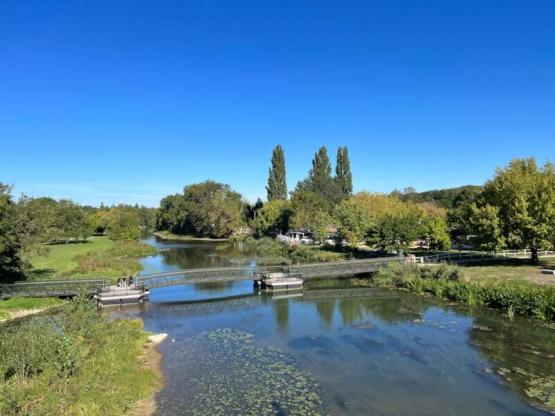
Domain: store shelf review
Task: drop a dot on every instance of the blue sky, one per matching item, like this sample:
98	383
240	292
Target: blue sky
128	101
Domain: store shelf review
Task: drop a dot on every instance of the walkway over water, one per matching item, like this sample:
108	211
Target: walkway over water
70	288
307	271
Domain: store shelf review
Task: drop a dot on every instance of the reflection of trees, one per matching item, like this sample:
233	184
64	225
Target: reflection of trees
390	309
325	310
213	286
522	352
281	309
200	254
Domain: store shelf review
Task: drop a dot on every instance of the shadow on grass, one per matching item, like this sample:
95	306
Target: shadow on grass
40	274
63	243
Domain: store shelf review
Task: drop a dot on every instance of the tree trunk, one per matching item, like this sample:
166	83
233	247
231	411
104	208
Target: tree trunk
535	258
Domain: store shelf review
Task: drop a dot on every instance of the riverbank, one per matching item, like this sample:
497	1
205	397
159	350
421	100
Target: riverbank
97	257
78	362
19	307
453	283
167	236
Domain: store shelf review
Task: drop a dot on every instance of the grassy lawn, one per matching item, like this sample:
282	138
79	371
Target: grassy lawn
509	270
13	307
98	257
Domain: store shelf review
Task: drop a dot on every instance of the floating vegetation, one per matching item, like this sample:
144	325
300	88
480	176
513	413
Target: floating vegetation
227	374
539	388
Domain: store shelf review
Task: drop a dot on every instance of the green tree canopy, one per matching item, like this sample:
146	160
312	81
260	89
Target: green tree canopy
11	264
273	218
343	175
310	212
207	209
124	223
521	199
277	185
319	180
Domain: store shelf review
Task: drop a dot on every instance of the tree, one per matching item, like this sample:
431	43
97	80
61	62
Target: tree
436	233
11	264
520	201
484	227
37	219
277	185
98	222
173	215
310	212
273	218
319	178
343	175
124	223
213	209
398	229
69	222
360	213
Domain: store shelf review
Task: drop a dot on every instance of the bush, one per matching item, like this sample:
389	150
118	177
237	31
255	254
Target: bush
76	362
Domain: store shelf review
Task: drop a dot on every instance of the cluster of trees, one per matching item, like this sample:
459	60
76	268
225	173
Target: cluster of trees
312	203
515	209
207	209
29	223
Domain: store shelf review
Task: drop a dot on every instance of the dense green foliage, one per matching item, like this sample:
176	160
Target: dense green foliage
11	238
73	363
445	282
274	217
516	209
520	200
270	252
446	198
319	180
386	222
207	209
277	185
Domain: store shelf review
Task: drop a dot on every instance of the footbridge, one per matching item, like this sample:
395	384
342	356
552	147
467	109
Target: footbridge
138	291
304	271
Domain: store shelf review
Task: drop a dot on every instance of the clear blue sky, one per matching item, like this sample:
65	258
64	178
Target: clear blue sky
127	101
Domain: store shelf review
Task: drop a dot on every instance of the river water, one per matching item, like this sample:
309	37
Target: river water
336	350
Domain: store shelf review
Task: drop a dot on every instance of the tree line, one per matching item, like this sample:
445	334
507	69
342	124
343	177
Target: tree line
514	209
30	224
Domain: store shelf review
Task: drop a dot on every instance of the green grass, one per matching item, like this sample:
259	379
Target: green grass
509	270
20	303
11	307
98	257
76	362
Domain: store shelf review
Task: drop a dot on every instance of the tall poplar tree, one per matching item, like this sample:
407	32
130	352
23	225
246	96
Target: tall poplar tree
319	180
343	176
277	185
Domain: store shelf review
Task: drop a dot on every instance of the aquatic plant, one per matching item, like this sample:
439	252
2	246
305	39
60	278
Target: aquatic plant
226	373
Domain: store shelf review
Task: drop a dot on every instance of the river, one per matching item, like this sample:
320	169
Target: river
337	351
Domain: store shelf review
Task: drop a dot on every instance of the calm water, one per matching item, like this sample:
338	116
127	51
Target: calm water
337	351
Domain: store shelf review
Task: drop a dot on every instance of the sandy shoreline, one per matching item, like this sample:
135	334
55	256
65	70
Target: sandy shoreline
151	359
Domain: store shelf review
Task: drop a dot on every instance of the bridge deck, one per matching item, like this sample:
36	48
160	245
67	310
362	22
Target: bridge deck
70	288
